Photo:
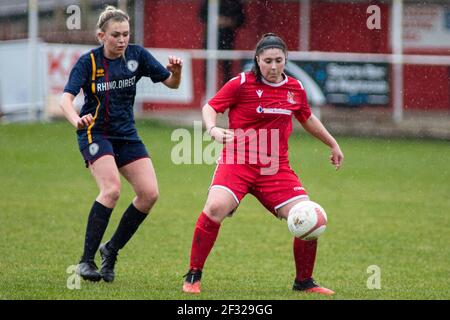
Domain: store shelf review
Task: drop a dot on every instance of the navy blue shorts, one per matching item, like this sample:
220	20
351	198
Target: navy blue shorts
124	152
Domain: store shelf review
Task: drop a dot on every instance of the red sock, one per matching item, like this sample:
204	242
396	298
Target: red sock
205	235
305	256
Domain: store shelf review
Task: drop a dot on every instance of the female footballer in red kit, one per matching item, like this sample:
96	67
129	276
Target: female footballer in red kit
261	104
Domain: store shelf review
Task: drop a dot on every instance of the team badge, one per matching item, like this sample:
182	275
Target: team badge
93	149
290	97
132	65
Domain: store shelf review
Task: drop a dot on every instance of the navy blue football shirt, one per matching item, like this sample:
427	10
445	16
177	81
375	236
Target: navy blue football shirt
109	88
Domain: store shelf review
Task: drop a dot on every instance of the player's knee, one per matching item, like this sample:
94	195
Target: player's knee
148	198
111	192
216	210
152	196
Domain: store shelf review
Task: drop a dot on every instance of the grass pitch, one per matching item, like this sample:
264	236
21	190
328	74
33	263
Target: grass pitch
387	207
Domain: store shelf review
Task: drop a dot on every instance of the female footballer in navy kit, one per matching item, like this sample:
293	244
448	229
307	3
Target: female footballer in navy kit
107	136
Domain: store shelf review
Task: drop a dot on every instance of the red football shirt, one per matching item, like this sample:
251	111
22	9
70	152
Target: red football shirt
261	116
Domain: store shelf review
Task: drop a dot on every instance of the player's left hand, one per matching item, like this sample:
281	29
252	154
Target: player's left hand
337	157
175	64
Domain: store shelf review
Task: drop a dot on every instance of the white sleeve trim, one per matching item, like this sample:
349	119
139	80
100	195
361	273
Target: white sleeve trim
242	77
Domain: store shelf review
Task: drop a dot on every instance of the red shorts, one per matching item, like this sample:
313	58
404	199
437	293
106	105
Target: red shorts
273	191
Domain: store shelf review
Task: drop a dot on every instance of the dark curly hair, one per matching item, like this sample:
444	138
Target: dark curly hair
268	41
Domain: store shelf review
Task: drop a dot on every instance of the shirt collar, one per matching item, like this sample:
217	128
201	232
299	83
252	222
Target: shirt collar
279	84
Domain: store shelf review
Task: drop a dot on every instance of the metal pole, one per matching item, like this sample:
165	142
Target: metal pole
397	67
139	8
122	5
305	29
139	13
211	65
32	58
305	11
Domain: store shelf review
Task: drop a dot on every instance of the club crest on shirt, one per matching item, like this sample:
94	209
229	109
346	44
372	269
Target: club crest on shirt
132	65
290	97
93	149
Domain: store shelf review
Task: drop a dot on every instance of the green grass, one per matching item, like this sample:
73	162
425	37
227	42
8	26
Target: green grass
388	206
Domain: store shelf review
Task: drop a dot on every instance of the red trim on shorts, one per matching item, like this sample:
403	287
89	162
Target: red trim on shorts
131	161
101	156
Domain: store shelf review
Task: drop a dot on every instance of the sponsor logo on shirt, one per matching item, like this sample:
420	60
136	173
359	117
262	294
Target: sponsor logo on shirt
273	110
116	84
259	93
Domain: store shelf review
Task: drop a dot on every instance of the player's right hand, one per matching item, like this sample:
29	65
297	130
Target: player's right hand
85	121
222	135
336	157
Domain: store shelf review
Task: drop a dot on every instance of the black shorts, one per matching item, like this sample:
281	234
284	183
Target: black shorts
124	152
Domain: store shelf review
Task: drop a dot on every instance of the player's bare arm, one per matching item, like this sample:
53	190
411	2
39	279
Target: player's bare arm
174	66
71	115
219	134
316	129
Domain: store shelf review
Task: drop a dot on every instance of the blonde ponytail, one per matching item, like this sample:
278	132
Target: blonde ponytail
110	13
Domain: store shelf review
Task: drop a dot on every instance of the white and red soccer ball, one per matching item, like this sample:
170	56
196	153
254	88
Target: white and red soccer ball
307	220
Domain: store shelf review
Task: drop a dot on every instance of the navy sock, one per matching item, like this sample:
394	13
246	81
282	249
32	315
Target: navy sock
128	225
95	229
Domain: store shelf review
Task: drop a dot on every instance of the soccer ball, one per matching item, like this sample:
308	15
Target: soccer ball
307	220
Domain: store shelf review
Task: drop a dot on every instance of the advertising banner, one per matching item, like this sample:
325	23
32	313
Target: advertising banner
350	83
426	26
341	83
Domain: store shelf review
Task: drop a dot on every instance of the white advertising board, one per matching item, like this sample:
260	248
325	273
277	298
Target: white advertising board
55	64
426	27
